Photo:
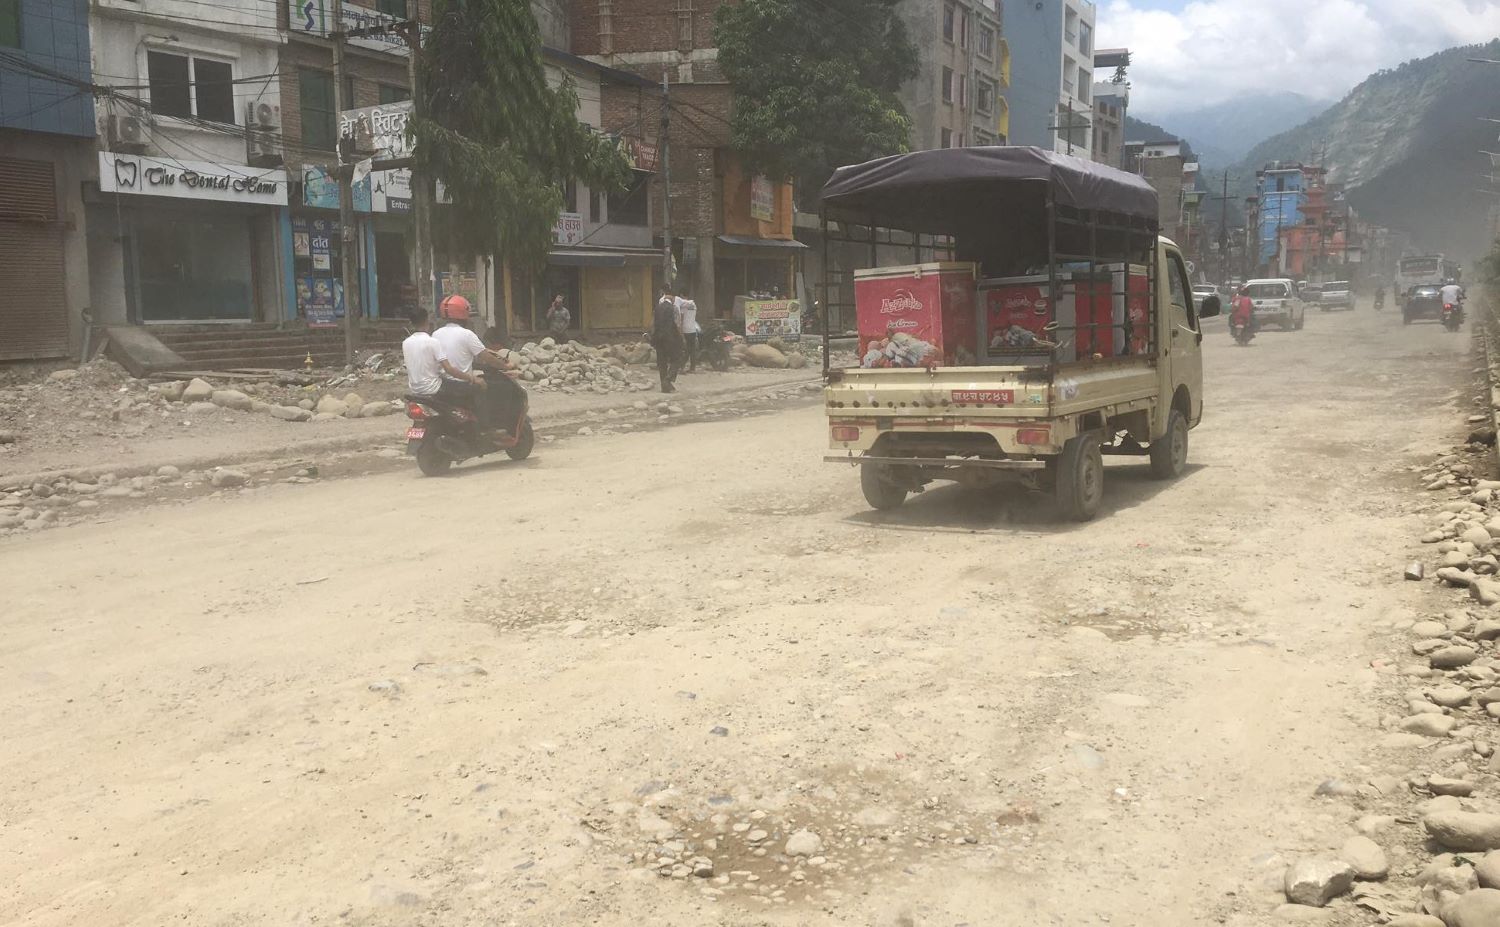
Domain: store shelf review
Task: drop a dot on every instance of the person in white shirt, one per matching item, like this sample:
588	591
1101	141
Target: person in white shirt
460	345
687	322
426	363
1453	294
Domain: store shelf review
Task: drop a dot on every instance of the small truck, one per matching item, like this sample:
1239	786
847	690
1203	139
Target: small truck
1044	325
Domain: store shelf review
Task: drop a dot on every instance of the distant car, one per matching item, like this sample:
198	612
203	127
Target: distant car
1422	302
1312	293
1337	294
1275	300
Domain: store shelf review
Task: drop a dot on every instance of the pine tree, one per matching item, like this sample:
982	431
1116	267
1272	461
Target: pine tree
502	141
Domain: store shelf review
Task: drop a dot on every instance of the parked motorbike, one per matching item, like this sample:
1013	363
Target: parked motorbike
442	434
714	344
1453	316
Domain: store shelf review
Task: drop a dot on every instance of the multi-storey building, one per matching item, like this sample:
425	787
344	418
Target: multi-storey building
1050	95
46	154
731	231
963	66
1111	102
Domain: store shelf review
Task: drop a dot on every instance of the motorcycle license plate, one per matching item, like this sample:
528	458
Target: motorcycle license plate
415	434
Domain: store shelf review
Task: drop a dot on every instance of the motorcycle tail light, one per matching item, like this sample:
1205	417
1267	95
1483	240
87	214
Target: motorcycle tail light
1033	436
416	411
845	432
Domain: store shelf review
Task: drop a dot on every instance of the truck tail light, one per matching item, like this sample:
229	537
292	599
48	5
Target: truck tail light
1033	436
846	432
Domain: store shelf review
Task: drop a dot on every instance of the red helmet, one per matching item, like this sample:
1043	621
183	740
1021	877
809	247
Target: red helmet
455	308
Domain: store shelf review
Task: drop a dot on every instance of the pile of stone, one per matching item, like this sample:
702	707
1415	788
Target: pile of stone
65	498
580	368
198	395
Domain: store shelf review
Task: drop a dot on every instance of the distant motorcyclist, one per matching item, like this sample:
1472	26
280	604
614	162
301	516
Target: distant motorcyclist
1380	297
427	364
1243	311
1453	295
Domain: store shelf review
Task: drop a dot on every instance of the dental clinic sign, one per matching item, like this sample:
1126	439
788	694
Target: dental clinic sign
191	180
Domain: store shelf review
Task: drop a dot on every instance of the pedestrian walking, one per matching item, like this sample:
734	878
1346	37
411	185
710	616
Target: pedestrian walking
687	321
666	338
558	319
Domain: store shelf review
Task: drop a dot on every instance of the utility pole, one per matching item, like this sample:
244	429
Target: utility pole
421	187
666	176
344	174
1070	125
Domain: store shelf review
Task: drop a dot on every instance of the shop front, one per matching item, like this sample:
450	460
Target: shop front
189	241
756	256
607	290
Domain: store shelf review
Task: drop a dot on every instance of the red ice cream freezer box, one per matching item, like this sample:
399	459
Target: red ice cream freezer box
1089	314
919	315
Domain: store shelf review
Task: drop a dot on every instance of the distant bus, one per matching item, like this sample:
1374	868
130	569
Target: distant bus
1419	269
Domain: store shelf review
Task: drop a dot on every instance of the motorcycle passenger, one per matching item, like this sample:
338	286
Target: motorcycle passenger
1453	295
462	348
426	364
1243	313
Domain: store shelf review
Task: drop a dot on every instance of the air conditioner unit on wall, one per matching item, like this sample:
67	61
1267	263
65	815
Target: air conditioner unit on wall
262	134
129	133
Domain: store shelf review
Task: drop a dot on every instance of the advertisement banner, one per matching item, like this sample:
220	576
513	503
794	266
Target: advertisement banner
773	318
900	319
762	198
316	17
568	230
1016	314
390	191
191	180
461	283
380	131
321	244
321	191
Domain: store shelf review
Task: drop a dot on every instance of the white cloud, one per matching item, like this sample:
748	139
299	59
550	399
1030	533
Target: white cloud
1214	50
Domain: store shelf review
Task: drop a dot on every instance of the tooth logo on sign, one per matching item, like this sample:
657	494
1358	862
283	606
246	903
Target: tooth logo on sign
126	173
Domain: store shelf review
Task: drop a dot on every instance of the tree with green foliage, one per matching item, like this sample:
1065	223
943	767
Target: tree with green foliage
815	84
503	142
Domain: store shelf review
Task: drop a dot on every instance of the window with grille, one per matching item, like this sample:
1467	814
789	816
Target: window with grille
185	87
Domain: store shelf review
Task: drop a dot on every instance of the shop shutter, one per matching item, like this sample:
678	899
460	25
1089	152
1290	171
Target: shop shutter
33	310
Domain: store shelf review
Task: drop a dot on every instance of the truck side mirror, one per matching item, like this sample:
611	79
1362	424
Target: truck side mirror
1210	307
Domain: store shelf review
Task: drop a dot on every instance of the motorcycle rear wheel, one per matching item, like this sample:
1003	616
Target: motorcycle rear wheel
523	447
431	460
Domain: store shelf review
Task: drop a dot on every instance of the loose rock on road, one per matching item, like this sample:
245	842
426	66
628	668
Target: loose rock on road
684	676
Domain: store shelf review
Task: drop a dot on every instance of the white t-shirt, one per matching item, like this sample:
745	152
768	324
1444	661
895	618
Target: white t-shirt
460	345
424	363
1452	293
687	316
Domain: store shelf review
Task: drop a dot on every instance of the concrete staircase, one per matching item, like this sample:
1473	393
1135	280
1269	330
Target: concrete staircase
266	345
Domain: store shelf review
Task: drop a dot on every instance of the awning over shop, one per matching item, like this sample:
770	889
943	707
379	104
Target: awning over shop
745	242
601	257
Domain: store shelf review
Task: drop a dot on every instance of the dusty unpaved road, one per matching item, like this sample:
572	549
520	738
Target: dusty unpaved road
505	696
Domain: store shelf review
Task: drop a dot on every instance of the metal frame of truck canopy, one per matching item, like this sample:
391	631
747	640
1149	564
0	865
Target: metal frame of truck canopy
988	205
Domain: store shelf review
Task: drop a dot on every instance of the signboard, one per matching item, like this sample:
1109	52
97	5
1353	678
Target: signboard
762	198
316	17
773	318
391	191
191	180
463	283
641	155
568	230
381	129
321	191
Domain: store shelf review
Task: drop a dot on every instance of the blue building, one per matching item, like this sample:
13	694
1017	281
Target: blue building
1050	97
46	153
1281	193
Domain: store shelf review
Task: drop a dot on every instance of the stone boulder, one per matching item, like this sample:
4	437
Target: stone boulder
328	405
1464	831
230	399
1479	908
172	391
354	405
197	390
1315	882
373	409
763	355
289	413
226	476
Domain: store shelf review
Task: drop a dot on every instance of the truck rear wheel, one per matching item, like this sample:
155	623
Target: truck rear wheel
1079	472
879	491
1169	452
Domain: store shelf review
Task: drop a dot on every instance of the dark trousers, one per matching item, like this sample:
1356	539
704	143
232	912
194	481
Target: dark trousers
668	363
457	393
691	339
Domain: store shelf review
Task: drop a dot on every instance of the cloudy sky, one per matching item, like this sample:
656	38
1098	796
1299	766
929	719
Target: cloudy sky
1189	53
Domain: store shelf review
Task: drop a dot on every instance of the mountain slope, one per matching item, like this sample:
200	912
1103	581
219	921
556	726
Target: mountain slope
1224	132
1407	143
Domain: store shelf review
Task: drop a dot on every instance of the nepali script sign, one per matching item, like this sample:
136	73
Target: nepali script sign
379	129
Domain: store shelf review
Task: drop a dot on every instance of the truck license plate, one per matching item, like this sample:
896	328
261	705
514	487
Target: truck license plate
415	434
999	397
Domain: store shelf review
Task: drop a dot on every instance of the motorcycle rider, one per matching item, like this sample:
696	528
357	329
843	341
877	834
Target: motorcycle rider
426	364
1379	297
1243	313
462	348
1453	295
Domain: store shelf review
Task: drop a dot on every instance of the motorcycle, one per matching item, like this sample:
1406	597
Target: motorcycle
1453	316
442	434
1243	333
1380	300
713	346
